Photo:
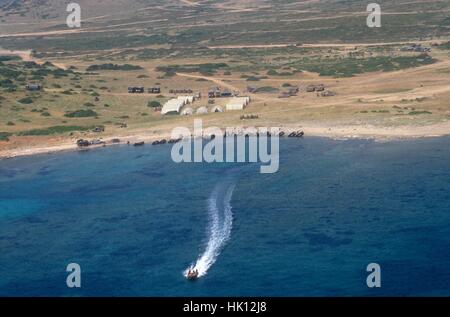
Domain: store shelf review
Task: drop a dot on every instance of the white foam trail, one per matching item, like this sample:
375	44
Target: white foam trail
220	212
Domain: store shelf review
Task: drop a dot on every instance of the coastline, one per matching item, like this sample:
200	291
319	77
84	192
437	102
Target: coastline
338	133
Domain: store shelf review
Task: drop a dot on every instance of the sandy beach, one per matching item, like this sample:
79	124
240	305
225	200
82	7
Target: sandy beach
42	145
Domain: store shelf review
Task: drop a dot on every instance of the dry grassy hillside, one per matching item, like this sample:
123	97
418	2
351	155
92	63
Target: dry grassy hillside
375	84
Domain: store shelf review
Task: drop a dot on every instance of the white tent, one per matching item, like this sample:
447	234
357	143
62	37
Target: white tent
187	112
238	103
202	110
217	109
187	99
173	106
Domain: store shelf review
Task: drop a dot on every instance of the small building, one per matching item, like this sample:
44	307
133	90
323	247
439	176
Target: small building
214	92
313	88
310	88
136	90
226	93
181	91
320	87
154	90
33	87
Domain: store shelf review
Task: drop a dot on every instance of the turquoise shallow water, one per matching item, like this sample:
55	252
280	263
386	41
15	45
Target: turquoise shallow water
134	221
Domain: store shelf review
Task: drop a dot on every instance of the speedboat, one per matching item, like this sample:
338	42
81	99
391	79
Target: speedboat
192	275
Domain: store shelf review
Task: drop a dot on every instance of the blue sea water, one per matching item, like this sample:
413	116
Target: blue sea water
134	221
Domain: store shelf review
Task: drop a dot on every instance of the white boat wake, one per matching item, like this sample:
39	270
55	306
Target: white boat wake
221	221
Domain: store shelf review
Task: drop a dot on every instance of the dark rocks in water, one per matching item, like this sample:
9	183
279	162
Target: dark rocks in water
172	141
164	141
296	134
281	134
139	143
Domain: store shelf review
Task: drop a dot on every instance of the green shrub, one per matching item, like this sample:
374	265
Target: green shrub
4	136
81	114
26	100
154	104
8	58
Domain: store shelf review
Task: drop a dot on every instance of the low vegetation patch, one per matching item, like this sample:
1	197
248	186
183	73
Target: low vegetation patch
445	46
266	89
81	114
417	112
7	58
4	136
110	66
204	69
53	130
348	67
26	100
256	78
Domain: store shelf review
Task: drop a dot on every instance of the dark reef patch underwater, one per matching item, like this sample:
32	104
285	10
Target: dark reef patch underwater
134	221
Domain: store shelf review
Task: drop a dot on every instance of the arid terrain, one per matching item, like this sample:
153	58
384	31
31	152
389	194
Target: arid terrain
388	82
